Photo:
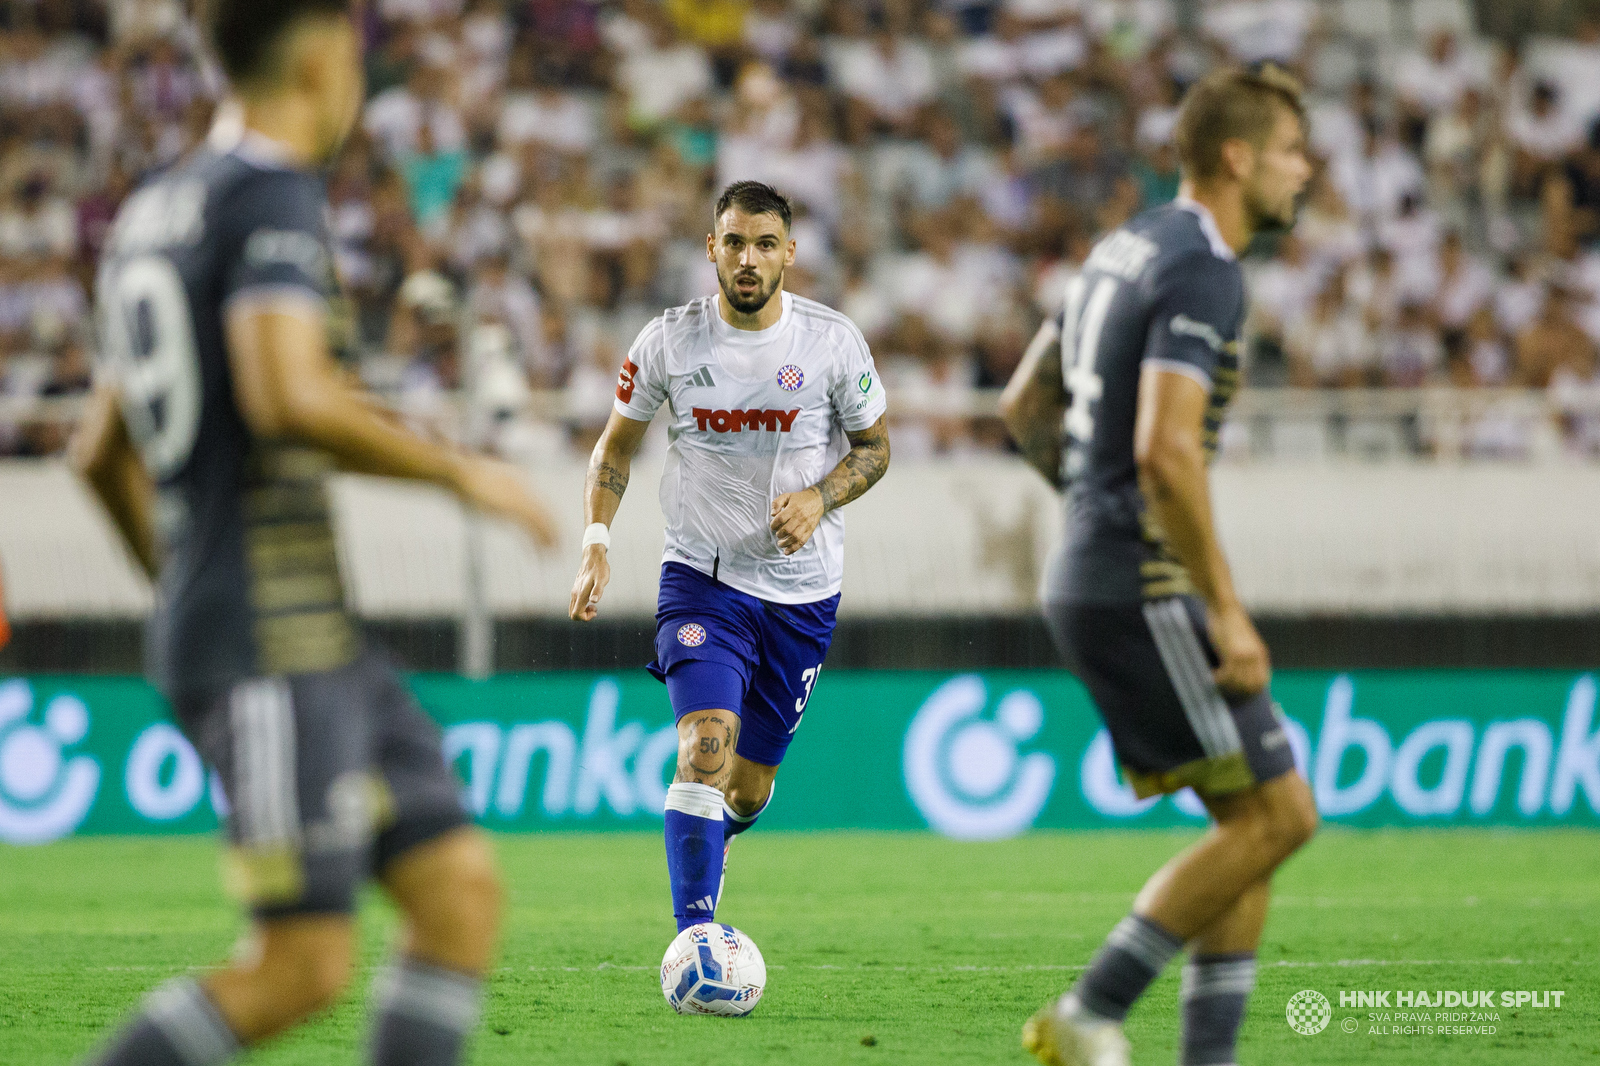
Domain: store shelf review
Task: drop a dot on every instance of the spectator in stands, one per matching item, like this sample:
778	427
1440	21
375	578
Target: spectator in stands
1329	346
395	118
1410	353
1552	340
553	161
499	295
1541	134
1376	182
1432	82
1519	295
1461	285
664	75
1572	198
433	174
426	334
1486	355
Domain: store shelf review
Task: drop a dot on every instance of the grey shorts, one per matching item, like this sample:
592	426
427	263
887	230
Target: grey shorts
328	776
1148	667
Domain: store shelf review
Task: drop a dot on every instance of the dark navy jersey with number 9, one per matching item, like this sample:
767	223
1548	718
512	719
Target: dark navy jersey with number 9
249	577
1164	290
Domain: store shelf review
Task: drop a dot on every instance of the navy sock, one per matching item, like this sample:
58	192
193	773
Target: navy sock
1215	989
422	1015
179	1026
1136	951
694	851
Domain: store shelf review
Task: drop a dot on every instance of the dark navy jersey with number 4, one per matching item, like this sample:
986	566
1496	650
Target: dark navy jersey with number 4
249	577
1164	290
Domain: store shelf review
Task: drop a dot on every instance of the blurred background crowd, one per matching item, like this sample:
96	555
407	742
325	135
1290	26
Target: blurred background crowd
531	183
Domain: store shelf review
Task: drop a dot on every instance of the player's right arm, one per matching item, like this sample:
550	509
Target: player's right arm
103	455
609	467
1196	313
287	385
1034	401
641	390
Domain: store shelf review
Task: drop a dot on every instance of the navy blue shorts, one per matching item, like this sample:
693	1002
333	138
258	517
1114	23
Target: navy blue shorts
776	649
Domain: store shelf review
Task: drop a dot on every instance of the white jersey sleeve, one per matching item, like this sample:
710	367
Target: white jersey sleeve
642	382
857	395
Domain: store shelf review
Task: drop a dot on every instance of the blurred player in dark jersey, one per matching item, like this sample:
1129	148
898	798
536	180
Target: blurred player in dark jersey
221	409
1124	413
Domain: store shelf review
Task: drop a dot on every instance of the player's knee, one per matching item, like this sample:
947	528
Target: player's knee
1290	818
749	798
1302	819
315	976
482	887
469	903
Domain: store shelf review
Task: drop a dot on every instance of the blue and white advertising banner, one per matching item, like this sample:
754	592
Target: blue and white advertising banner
972	756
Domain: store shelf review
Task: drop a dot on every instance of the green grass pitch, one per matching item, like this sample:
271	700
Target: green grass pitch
884	948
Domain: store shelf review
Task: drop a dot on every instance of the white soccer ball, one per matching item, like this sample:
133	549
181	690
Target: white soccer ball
713	969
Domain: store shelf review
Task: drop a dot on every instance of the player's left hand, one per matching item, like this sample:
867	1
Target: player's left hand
500	488
794	518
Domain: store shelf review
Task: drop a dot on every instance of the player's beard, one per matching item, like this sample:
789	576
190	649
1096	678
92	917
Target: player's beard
1266	221
747	305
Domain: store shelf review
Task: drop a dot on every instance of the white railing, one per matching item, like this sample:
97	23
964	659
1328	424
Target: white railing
1436	423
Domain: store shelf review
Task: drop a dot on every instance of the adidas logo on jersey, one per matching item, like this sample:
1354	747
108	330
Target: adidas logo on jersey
701	378
735	421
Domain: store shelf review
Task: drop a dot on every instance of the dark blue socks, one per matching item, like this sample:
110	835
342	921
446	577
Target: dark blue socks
694	830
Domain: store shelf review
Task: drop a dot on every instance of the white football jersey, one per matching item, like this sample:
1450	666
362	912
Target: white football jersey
755	414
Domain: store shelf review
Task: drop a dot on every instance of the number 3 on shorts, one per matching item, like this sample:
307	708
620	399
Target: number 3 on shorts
808	679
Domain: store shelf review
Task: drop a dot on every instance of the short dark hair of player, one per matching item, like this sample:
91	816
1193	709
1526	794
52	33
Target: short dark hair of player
755	198
1230	103
247	33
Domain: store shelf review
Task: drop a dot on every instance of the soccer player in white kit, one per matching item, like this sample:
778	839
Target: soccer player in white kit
777	421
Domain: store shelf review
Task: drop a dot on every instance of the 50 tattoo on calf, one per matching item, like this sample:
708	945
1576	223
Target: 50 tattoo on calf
707	761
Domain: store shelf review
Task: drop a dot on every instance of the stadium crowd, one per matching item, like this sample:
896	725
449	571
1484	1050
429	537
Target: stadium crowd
532	178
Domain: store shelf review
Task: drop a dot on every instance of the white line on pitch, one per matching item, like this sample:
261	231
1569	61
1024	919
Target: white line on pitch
1029	968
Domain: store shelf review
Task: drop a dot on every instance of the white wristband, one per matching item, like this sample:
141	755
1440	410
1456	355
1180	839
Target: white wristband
597	533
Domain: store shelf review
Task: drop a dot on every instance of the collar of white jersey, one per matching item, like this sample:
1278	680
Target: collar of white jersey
1208	226
733	335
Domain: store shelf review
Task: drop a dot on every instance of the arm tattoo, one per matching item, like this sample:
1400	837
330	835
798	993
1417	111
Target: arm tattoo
611	479
602	475
860	469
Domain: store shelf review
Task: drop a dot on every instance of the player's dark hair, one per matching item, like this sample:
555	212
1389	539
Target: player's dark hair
1231	103
245	33
755	198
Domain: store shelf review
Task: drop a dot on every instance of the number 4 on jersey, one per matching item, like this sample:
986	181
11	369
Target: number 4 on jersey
1080	344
